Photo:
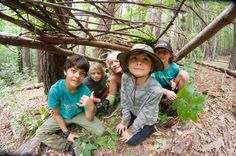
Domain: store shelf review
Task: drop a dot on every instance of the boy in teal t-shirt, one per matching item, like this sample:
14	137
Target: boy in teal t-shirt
171	78
71	103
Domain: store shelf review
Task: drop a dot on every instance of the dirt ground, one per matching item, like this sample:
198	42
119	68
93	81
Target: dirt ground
215	134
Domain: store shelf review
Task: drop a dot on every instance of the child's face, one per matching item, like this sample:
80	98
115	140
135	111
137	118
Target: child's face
164	55
96	75
74	77
140	64
114	65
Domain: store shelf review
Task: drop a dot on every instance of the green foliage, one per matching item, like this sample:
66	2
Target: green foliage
163	118
10	77
83	146
33	124
129	154
27	123
188	66
191	36
169	2
109	140
189	103
198	54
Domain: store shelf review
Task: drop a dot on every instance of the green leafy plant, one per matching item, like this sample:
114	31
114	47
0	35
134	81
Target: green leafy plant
163	118
189	103
33	124
83	146
109	140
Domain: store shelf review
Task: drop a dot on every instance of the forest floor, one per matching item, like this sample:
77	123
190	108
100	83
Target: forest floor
214	134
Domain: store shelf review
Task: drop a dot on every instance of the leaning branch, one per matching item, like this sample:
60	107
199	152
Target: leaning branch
71	40
48	43
36	44
225	18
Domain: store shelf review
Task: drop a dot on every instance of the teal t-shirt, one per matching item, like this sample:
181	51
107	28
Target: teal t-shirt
60	97
164	77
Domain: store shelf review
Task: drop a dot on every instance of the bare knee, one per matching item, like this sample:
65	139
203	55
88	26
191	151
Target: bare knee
182	79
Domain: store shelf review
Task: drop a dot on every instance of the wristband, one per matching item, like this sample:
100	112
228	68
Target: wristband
66	134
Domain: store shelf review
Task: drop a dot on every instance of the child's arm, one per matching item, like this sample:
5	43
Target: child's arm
88	102
169	94
62	125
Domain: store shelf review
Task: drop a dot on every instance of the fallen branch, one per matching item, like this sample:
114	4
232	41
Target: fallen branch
35	86
223	70
29	147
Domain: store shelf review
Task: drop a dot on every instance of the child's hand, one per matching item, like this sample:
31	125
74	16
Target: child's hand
171	95
120	128
87	102
173	84
125	136
72	137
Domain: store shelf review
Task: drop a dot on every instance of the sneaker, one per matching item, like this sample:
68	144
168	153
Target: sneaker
111	110
71	149
102	107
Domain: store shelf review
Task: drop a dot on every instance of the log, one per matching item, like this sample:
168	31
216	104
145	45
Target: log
223	70
28	148
34	86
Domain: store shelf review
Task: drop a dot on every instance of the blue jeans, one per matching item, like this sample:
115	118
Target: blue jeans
141	135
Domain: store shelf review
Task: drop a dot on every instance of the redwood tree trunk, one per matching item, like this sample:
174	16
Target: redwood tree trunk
232	62
52	69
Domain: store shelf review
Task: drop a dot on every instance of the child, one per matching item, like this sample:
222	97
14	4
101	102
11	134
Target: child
70	102
170	78
140	94
114	80
96	81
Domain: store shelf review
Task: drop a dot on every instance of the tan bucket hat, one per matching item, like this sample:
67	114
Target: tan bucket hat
122	57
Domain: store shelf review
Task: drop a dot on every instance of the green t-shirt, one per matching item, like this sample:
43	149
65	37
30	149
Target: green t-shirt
60	97
164	77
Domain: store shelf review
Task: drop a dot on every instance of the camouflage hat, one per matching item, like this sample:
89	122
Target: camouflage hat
122	57
163	44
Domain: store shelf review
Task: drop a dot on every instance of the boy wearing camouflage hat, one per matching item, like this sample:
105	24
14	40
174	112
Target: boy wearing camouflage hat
140	94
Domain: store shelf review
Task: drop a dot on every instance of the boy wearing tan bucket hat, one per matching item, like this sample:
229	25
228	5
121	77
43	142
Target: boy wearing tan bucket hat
140	94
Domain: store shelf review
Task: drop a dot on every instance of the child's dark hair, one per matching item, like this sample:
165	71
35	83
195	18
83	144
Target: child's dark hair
77	61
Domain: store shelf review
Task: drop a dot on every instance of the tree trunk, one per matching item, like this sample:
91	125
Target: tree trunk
53	63
39	66
232	62
20	60
52	69
28	59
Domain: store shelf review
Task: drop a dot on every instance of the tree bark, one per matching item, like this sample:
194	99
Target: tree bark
28	59
52	69
20	60
225	18
232	62
39	66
